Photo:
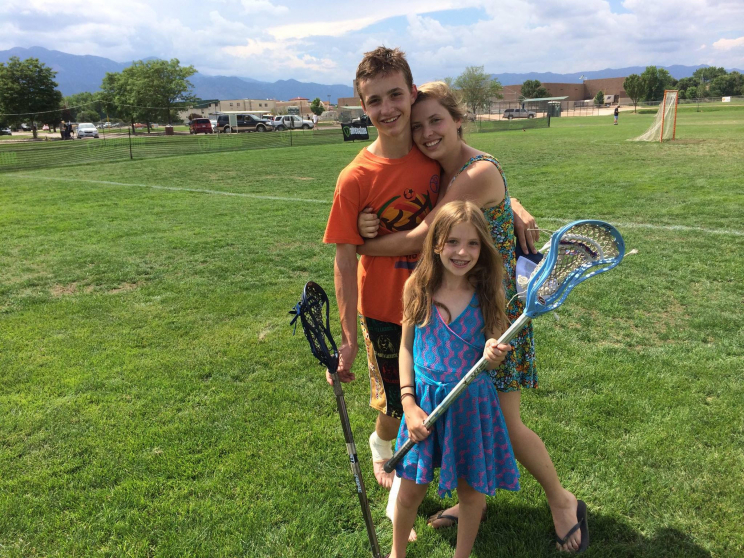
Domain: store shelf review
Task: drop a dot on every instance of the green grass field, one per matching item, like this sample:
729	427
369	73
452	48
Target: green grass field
153	401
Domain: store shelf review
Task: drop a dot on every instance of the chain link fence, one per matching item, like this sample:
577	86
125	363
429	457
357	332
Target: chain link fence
30	154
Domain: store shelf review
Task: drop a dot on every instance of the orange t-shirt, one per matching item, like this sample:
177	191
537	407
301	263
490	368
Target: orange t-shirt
402	192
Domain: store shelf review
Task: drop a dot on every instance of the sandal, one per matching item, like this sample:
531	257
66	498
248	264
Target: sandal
446	517
582	524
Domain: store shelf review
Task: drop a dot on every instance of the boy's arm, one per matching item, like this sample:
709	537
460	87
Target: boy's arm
411	242
345	280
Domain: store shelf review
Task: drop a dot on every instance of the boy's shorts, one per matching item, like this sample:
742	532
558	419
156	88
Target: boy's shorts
382	340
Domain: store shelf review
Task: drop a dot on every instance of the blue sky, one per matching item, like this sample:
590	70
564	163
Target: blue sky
324	40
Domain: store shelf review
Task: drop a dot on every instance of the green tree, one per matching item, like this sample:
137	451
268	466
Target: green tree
533	89
84	101
316	107
634	87
687	83
725	85
599	98
88	116
705	75
655	81
28	91
148	91
477	88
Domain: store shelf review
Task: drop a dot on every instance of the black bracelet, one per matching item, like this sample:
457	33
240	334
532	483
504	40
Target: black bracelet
411	386
402	395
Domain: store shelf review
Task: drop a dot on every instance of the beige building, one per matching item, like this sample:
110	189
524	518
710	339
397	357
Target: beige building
574	91
248	105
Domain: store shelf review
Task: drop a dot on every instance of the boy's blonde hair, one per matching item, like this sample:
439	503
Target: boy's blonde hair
443	93
486	276
381	62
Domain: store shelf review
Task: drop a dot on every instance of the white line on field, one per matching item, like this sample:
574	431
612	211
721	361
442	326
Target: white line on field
684	228
173	188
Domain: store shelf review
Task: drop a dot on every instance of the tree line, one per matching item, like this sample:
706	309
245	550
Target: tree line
704	82
149	91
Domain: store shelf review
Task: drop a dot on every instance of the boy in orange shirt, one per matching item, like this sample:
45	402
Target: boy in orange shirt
395	178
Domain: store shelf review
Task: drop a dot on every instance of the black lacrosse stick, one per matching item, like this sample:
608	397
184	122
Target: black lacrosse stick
311	310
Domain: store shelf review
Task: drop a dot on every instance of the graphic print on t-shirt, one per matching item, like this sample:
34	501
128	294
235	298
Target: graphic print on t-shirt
405	212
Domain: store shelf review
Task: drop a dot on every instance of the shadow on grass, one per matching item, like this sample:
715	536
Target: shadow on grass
515	531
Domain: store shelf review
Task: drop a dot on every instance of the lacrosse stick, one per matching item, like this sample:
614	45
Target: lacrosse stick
576	252
310	310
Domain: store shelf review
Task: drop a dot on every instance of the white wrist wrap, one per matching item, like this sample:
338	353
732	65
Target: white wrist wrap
381	450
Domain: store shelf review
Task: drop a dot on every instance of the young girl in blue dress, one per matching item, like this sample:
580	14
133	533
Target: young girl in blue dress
453	313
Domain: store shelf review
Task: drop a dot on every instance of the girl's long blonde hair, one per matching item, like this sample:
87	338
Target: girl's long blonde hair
486	276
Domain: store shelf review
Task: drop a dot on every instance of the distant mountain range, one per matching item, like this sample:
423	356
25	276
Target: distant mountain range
76	73
677	72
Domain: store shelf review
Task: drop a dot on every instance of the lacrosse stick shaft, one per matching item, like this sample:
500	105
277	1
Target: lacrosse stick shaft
452	396
355	469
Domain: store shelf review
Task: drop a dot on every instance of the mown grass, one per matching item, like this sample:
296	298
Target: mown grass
154	402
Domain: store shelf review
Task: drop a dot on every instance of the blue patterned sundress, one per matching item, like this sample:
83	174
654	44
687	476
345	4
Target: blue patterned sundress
518	369
470	440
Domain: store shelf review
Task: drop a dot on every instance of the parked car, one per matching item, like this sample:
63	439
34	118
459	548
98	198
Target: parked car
200	125
244	123
213	121
87	130
26	127
291	121
5	131
518	113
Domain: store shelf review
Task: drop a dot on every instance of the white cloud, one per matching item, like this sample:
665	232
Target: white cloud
324	40
728	44
254	7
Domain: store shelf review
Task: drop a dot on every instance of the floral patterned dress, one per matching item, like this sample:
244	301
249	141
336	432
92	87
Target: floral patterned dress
518	369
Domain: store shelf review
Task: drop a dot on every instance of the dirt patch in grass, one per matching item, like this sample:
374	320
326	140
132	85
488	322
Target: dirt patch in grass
62	290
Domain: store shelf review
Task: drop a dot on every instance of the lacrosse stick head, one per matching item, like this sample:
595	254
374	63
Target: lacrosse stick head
312	311
576	252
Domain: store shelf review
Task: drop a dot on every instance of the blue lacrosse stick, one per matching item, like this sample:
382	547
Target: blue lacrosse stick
575	253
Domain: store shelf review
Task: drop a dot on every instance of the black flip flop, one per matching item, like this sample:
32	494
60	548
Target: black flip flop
582	524
452	518
442	515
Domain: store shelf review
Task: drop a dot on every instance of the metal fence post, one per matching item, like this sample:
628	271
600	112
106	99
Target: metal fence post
129	133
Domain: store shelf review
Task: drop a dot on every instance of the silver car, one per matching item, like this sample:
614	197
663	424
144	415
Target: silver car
87	130
518	113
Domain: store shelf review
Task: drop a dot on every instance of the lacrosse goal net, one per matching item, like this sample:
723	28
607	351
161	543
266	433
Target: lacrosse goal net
664	127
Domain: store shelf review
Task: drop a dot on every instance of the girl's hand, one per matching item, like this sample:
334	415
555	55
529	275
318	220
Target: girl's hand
495	353
415	416
368	223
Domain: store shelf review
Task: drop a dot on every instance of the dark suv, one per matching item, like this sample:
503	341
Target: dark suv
245	123
202	125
